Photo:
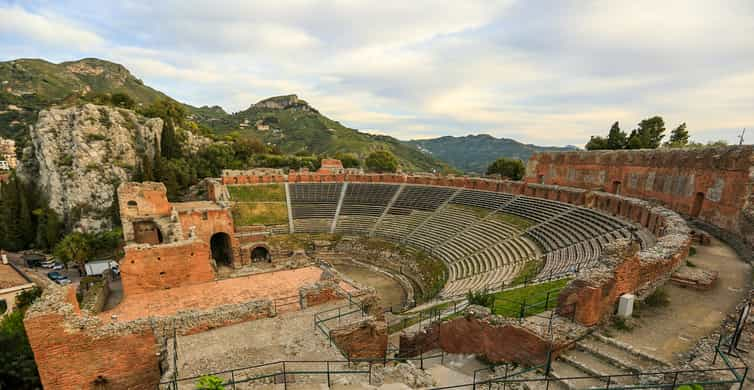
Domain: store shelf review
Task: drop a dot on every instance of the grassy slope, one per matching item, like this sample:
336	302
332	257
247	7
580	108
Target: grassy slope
508	303
259	204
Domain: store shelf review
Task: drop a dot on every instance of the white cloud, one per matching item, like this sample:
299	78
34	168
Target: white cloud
45	29
546	73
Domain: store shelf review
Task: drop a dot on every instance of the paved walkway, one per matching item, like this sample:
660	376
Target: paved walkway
667	331
272	285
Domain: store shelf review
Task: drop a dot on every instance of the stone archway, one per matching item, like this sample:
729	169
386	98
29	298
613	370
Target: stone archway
260	253
221	249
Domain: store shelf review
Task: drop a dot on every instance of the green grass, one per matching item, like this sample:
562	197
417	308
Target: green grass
531	270
245	214
478	211
257	193
515	220
508	303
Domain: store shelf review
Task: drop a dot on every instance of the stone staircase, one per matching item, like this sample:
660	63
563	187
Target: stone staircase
597	355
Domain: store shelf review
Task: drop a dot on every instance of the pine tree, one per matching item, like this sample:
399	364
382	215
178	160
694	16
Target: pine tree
648	135
168	143
616	139
679	137
26	225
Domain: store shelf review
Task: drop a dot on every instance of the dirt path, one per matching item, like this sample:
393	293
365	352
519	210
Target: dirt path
388	289
668	331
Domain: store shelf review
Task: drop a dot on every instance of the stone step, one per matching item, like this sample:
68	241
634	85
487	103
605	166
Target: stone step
594	365
561	369
621	355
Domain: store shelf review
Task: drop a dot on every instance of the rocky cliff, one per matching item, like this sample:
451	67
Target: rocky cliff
80	154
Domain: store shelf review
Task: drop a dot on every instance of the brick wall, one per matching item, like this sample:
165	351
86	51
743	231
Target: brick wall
148	268
72	351
724	177
502	342
207	223
362	340
150	200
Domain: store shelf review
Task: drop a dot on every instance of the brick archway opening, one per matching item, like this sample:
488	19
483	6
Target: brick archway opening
260	253
221	250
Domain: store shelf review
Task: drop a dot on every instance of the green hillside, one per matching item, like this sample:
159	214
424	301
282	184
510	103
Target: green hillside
473	153
296	127
29	85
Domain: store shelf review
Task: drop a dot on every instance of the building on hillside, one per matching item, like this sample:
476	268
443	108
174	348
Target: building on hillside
12	283
7	154
331	166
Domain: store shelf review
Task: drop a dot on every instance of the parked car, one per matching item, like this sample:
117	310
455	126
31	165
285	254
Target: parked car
33	260
58	266
58	278
48	263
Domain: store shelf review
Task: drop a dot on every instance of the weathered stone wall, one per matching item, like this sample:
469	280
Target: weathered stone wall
147	268
204	223
365	339
74	350
713	184
319	293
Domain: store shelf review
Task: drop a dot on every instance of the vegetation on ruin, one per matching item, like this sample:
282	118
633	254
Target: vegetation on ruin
257	193
658	298
17	367
519	222
510	168
479	212
648	135
534	297
210	382
433	272
528	272
480	298
248	213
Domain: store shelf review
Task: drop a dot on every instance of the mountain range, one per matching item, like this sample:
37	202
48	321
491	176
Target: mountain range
290	123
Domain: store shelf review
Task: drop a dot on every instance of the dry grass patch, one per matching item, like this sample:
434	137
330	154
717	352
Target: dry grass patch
245	214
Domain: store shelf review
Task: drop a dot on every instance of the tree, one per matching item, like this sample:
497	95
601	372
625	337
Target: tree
679	137
17	367
169	146
507	167
167	109
648	135
381	161
349	160
120	99
596	143
616	139
74	249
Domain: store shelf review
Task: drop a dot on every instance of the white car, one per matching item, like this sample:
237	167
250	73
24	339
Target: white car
58	266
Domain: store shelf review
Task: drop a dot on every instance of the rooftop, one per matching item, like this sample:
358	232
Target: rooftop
10	277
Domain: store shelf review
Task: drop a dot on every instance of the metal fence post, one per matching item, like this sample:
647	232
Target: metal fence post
233	379
328	373
675	379
285	378
743	378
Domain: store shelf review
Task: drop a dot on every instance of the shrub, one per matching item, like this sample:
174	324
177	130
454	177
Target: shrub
690	387
621	324
481	298
690	264
210	382
658	298
692	251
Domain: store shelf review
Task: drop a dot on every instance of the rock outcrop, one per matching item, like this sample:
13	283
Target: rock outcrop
80	154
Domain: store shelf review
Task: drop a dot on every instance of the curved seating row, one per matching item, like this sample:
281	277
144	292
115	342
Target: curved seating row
467	229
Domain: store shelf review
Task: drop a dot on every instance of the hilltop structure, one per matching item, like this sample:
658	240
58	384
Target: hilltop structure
7	154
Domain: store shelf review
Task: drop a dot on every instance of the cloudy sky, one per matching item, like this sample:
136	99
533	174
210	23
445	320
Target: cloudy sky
545	72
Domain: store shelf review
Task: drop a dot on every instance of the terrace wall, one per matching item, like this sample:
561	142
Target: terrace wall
712	184
147	268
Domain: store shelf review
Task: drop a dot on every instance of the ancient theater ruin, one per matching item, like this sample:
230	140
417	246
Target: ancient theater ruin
346	279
